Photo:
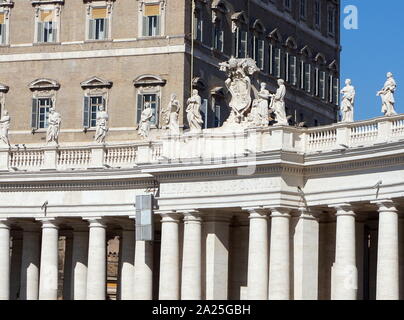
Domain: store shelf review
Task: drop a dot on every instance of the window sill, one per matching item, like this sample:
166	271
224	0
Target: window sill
4	46
46	43
98	41
152	37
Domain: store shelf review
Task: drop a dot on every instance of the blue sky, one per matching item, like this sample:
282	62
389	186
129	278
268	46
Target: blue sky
369	52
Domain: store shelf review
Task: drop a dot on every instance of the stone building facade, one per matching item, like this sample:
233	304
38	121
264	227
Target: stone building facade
78	55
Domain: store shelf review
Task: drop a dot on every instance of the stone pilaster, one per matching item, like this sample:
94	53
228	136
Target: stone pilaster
387	283
169	287
48	277
258	254
97	260
4	260
344	283
279	263
191	284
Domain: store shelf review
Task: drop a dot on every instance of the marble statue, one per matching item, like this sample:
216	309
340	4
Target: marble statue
54	121
348	101
101	125
144	123
262	105
278	104
387	95
173	110
193	112
238	83
4	126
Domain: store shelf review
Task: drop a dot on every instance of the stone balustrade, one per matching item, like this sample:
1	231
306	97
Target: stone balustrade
210	144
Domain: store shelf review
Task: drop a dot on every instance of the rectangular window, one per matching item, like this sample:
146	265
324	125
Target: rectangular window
331	21
292	66
98	24
317	13
153	99
2	29
276	61
151	20
95	103
218	37
302	8
259	52
40	112
307	77
321	85
204	113
335	89
46	27
288	4
241	43
198	27
217	117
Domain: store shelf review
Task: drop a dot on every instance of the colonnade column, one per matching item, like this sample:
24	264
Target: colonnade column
344	274
29	287
387	283
257	282
305	255
143	279
217	255
169	286
191	285
67	270
97	260
79	262
127	259
4	260
48	278
15	268
279	263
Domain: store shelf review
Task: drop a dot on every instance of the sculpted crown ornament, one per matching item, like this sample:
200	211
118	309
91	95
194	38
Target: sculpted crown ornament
238	83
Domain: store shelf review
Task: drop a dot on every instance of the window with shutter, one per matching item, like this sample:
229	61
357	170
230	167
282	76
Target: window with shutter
139	107
34	114
98	24
2	29
151	20
86	112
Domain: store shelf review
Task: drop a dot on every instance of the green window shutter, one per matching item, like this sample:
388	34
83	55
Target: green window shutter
139	107
54	34
106	24
40	32
34	114
145	30
158	25
91	26
86	112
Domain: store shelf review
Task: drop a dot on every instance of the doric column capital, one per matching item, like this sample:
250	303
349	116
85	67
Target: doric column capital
169	216
343	209
96	222
256	212
280	212
48	223
385	205
192	216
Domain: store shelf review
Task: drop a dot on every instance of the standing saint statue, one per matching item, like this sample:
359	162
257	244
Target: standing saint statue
101	125
174	107
144	123
348	101
263	111
54	121
278	104
4	126
387	95
193	112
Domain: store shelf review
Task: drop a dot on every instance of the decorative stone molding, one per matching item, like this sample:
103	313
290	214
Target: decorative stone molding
219	10
141	5
275	35
43	84
149	80
238	19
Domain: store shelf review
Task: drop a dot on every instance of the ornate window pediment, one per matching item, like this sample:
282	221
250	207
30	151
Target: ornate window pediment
198	83
333	66
43	2
258	26
320	59
291	43
218	92
44	84
307	51
275	35
219	9
148	80
3	88
96	82
6	4
239	19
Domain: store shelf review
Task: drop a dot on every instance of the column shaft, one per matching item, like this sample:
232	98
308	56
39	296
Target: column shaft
344	270
258	256
29	289
79	265
143	281
191	285
127	258
169	258
279	267
48	278
4	261
67	270
97	258
15	268
387	283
